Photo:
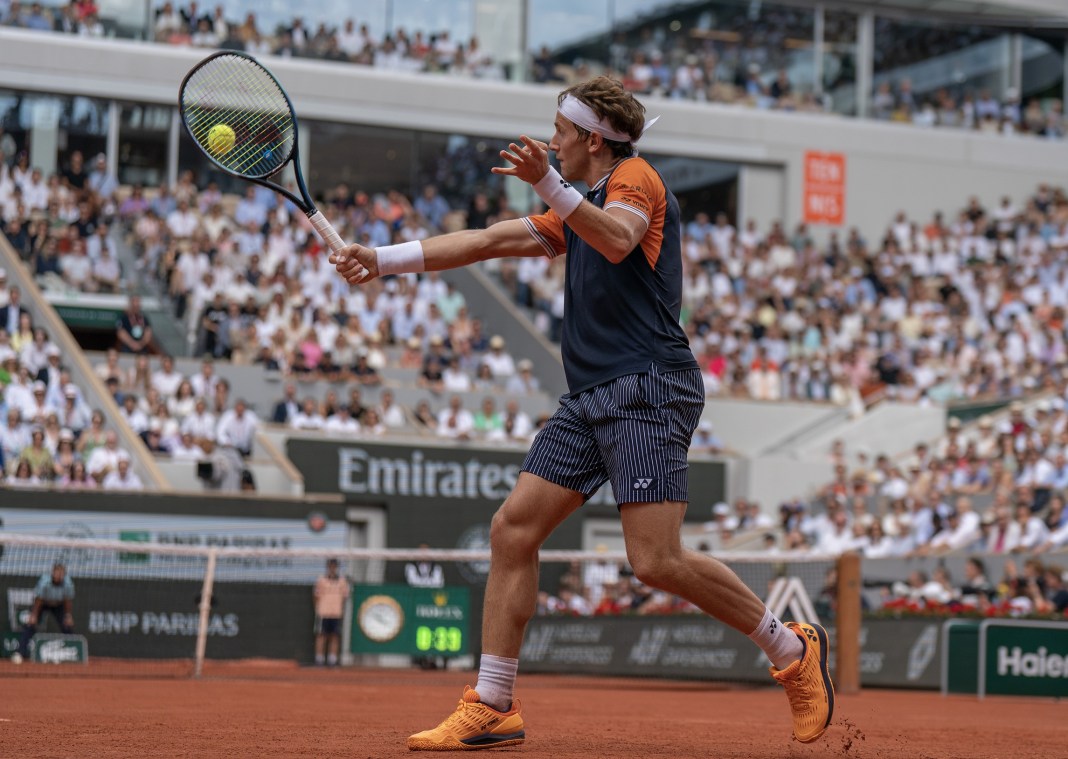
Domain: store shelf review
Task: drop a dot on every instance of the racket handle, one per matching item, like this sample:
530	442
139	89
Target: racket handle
327	232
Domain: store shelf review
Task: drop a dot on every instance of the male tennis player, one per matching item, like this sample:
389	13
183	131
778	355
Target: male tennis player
635	397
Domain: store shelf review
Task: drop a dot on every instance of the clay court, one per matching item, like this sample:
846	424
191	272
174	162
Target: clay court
284	712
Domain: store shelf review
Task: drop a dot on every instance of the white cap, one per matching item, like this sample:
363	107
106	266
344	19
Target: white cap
721	509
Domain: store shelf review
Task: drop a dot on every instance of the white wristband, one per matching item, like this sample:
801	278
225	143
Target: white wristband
405	258
558	194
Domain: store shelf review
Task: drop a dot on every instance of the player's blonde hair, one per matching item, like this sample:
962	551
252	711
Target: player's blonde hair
610	101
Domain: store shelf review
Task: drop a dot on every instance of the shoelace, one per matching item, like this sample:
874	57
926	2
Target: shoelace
799	694
464	717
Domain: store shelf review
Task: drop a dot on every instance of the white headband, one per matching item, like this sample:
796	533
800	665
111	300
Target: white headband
580	114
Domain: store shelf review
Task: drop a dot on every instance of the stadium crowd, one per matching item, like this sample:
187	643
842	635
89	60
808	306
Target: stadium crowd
727	55
961	306
49	435
968	306
722	54
1027	587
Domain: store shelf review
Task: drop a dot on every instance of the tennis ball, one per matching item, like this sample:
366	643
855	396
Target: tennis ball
221	139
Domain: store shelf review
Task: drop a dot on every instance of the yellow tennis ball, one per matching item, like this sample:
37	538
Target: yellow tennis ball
221	139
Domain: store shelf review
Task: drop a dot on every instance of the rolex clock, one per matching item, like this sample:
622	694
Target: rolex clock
380	618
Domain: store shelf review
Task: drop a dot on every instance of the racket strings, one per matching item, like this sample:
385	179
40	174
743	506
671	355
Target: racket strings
239	93
256	89
250	120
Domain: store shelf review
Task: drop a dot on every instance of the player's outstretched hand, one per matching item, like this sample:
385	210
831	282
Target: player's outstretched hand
529	162
357	264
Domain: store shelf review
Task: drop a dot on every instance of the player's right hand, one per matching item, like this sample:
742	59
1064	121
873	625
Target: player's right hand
357	264
32	620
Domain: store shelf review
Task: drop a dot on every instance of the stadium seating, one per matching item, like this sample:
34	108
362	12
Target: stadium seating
722	54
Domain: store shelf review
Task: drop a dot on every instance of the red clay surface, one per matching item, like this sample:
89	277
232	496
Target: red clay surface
285	712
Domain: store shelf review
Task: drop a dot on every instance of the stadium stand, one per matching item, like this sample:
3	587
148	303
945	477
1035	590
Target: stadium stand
963	306
966	305
708	52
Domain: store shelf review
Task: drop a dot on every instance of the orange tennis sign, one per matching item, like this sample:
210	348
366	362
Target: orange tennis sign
824	188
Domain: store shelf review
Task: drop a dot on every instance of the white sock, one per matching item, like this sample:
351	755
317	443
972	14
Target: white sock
496	681
331	659
781	645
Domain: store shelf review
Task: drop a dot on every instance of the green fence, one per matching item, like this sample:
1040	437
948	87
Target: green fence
1023	658
1005	657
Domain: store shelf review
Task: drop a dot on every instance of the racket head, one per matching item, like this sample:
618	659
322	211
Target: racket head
233	90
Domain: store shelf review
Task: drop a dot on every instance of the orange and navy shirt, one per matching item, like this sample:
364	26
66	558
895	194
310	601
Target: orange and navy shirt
621	318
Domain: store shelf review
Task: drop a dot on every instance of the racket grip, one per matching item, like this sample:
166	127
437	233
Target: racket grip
326	231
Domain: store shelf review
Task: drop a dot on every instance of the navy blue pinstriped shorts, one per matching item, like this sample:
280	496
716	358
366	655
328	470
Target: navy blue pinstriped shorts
634	431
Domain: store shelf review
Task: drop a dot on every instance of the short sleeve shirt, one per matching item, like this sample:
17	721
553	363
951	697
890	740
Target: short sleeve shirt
621	318
330	597
52	594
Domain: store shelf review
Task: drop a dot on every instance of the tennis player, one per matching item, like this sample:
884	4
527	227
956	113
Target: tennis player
635	397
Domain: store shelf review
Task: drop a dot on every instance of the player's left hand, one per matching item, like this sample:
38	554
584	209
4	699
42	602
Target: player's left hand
357	264
529	162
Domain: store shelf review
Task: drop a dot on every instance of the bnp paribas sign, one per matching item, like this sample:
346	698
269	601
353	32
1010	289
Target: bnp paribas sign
1023	657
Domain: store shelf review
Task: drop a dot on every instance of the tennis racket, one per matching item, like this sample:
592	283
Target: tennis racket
240	117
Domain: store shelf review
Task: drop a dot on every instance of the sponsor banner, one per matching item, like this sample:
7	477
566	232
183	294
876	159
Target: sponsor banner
823	191
1023	658
900	653
49	648
169	530
144	619
440	474
60	649
398	619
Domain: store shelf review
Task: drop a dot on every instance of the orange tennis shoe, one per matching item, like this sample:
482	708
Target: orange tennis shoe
472	726
808	684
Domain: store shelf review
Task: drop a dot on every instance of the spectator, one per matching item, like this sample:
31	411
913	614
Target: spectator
122	477
287	408
391	414
104	459
201	423
134	329
515	423
101	181
500	363
237	428
524	381
488	423
166	379
77	478
341	422
455	421
309	417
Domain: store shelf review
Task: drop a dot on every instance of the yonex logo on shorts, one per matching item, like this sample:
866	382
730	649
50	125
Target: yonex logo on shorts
643	483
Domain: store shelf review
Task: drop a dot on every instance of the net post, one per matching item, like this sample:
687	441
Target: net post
848	624
205	612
